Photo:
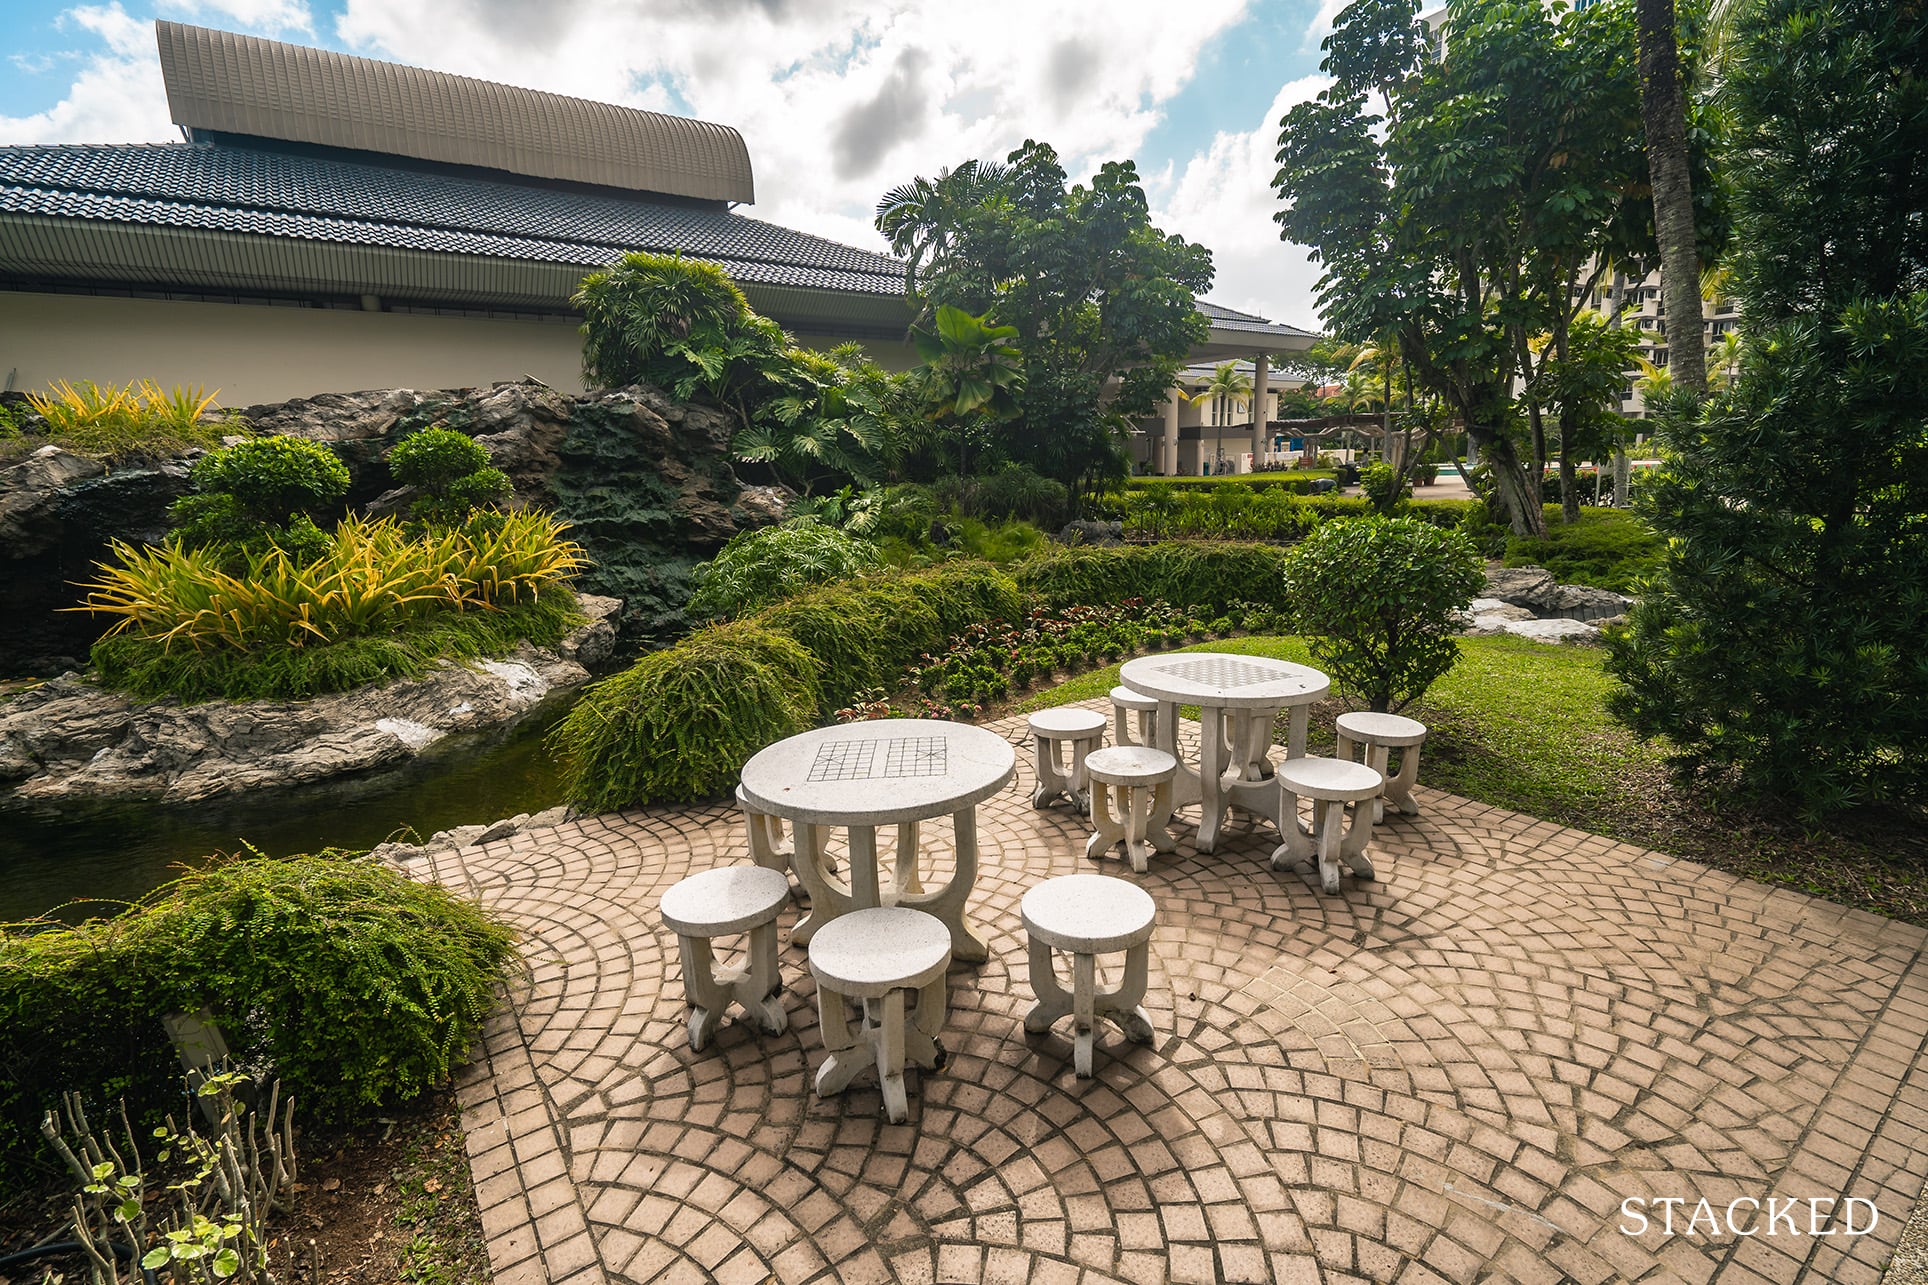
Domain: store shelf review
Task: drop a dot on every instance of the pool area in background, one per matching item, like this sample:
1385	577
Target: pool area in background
107	854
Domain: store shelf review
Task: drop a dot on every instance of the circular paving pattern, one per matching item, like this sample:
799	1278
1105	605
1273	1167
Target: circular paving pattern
1456	1072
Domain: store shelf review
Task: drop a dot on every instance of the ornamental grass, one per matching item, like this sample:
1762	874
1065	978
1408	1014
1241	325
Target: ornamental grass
372	577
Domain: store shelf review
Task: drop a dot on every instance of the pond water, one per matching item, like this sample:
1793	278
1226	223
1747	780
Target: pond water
83	861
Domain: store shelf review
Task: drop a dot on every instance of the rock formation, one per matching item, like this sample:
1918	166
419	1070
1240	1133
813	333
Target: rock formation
68	739
646	482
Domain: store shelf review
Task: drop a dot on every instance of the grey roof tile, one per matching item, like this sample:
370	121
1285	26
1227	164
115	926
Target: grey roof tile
230	188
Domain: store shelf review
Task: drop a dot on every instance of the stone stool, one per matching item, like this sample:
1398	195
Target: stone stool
1330	784
717	903
1080	731
766	835
1131	802
1381	734
866	963
1088	916
1124	703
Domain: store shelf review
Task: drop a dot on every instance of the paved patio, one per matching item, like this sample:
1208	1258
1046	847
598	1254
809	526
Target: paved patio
1455	1074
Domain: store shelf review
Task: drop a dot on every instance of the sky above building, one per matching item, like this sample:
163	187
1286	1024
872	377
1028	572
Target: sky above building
838	100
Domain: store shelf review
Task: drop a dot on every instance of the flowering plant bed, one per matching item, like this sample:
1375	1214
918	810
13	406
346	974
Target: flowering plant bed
996	659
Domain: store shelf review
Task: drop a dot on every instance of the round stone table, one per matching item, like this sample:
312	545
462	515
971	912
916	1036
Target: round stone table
894	771
1237	697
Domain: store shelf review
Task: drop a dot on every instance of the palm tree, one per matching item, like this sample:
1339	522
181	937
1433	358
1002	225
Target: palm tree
1663	110
920	218
1655	381
1229	382
1724	359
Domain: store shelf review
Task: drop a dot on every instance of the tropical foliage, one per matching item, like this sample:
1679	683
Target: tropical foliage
1779	644
355	985
260	495
110	420
1094	292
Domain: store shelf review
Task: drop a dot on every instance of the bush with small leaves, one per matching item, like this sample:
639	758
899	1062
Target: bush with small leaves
273	478
772	563
1377	597
1385	486
450	473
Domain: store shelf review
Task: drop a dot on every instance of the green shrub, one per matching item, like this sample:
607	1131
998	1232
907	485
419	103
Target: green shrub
844	631
680	723
270	479
1377	597
1385	487
1607	548
772	563
450	472
371	578
1198	576
1013	493
147	668
358	987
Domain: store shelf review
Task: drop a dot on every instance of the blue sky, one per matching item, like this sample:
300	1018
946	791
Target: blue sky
838	99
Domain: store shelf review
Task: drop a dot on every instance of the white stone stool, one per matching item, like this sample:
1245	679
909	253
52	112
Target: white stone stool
866	963
717	903
1131	802
1088	916
1330	784
1080	731
766	835
1381	734
1124	703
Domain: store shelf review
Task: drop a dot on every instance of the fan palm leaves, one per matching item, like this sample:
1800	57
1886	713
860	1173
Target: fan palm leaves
921	218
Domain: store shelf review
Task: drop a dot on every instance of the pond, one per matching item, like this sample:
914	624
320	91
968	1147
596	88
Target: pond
83	861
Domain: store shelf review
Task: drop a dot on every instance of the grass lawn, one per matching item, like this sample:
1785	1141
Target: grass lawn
1523	725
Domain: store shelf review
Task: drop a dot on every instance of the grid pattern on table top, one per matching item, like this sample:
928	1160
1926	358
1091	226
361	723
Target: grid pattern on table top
1221	671
868	759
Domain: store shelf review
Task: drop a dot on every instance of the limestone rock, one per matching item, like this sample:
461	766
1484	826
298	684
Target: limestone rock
1535	589
764	505
1552	630
68	739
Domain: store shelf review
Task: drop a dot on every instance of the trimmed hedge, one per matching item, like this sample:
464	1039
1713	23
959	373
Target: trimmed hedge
357	986
1196	575
679	724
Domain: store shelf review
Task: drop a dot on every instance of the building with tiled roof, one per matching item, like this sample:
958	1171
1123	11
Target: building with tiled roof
334	222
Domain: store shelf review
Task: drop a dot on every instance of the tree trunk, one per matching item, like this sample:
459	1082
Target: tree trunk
1663	110
1536	472
1522	506
1569	484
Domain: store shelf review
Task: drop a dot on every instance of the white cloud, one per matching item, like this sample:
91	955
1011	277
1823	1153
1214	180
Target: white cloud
1223	198
838	100
115	97
261	17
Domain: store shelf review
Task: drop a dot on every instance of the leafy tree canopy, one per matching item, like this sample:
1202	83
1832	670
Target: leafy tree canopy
1472	209
1094	292
1780	643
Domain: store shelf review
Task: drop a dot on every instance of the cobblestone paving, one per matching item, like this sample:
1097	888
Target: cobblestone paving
1457	1073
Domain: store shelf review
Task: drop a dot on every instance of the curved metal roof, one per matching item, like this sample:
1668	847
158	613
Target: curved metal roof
233	84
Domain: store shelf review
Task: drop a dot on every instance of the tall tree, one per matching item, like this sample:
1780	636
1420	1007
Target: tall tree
1663	110
1780	643
1501	187
1102	301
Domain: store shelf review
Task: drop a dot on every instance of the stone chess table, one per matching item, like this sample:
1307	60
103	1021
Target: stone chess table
1238	697
890	772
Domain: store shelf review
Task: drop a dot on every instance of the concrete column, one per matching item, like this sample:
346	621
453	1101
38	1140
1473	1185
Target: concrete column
1168	457
1261	439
